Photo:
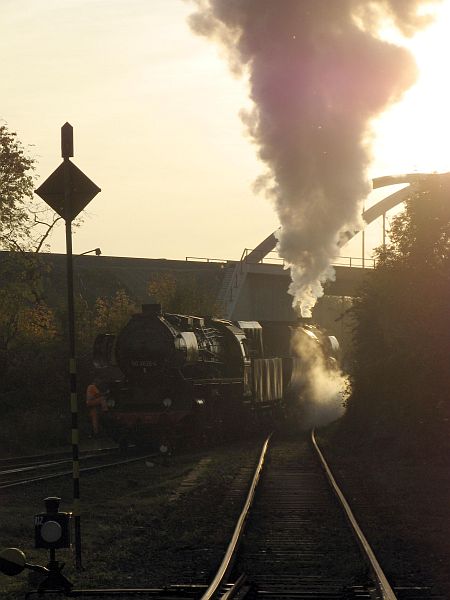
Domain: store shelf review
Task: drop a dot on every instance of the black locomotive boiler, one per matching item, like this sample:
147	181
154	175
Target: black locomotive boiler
171	376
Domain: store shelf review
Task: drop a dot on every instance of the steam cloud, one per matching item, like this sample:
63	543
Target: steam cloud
324	387
318	74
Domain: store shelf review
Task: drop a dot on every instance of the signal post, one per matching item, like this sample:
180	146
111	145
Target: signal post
68	191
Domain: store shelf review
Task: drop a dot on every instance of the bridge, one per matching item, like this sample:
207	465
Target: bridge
254	289
258	290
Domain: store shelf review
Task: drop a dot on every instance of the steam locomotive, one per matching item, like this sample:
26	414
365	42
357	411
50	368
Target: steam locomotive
170	377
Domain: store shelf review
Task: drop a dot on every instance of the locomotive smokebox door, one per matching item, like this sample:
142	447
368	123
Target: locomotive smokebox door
52	528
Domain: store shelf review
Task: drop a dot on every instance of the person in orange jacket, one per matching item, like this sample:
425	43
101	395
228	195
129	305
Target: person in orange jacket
96	403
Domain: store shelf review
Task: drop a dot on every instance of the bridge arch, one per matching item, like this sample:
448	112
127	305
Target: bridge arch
236	275
371	214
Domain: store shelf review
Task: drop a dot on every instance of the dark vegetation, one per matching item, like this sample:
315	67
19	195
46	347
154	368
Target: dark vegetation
34	389
33	343
400	368
392	449
153	530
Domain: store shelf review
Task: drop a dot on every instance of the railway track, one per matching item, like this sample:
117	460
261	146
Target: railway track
21	471
299	542
296	542
292	539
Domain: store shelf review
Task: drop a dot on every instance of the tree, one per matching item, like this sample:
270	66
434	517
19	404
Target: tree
29	331
402	336
25	223
112	314
184	294
24	313
16	188
163	287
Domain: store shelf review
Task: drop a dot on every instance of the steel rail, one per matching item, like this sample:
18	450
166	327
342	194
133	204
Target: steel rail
37	458
380	580
47	465
84	470
33	467
227	562
235	589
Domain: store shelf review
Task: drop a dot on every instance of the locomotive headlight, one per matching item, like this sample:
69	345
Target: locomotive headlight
167	402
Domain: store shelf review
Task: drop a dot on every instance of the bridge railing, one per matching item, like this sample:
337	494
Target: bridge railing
212	260
352	261
274	259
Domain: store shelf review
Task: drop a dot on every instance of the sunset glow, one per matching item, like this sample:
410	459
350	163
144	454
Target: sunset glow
155	112
414	135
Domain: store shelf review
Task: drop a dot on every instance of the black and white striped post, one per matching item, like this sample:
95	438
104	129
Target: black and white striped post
67	152
68	191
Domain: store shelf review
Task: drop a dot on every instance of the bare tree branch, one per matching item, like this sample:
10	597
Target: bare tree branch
49	226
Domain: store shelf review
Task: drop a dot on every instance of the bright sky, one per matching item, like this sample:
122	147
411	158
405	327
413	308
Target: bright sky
156	123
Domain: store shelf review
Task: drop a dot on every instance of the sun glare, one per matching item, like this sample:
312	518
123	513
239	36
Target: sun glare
414	135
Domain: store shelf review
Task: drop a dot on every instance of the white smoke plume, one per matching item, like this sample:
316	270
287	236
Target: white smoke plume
324	388
318	74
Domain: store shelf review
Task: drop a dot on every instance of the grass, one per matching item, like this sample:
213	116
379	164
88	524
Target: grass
136	530
401	500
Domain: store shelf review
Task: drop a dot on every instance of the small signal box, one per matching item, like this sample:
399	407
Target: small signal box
66	140
52	528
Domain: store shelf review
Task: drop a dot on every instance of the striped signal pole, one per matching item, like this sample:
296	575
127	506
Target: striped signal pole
67	152
68	191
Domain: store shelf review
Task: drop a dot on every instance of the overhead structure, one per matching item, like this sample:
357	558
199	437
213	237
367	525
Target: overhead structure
234	280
